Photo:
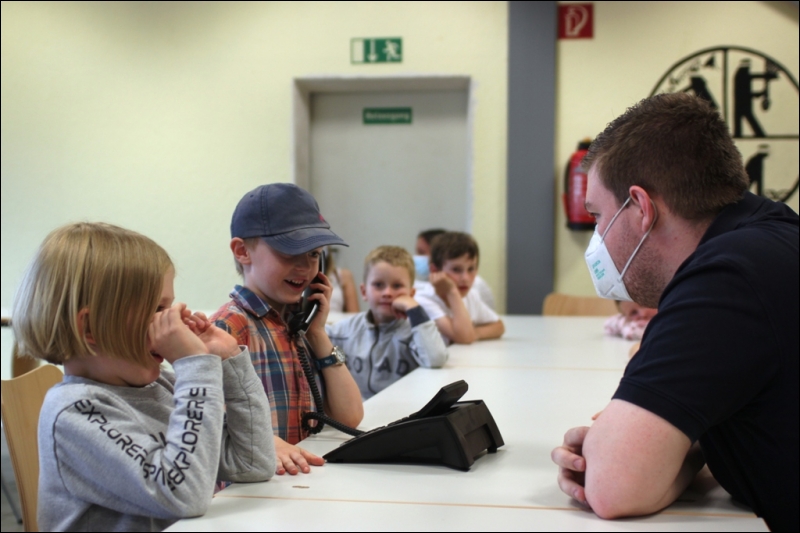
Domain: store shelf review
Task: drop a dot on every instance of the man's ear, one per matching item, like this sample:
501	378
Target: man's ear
240	251
413	292
83	325
363	292
433	268
645	207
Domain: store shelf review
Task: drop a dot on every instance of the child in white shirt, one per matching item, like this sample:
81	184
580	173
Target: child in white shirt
449	297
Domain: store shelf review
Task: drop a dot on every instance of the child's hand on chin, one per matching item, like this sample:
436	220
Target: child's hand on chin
402	304
171	338
442	283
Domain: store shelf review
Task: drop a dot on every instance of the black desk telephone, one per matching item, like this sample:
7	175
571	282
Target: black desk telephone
445	431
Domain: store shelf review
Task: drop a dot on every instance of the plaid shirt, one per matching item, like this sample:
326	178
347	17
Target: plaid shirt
274	355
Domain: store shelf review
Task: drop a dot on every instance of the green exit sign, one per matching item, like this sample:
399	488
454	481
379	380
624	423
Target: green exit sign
387	115
383	50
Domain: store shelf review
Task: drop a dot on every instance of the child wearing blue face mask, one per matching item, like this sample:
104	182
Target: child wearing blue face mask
422	252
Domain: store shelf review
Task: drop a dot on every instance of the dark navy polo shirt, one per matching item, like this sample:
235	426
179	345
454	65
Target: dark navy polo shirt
720	359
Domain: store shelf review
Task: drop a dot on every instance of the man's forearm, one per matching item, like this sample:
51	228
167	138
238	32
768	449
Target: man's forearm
646	501
637	463
693	463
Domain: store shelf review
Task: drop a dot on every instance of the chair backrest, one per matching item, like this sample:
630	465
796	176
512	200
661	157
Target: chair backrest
556	304
22	364
22	401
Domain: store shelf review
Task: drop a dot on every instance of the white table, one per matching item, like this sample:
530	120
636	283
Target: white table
546	375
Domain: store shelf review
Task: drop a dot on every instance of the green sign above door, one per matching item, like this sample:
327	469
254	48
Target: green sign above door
383	50
387	115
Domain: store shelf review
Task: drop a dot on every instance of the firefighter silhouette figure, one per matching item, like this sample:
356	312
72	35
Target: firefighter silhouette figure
755	168
700	89
743	96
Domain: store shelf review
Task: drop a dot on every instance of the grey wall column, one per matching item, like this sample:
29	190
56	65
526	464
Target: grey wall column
531	149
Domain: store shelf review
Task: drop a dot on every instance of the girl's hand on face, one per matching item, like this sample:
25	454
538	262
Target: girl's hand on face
197	322
219	342
170	337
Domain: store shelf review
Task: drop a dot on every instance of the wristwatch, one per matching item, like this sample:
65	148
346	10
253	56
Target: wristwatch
336	358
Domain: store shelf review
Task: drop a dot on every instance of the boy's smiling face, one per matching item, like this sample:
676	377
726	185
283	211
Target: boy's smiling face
277	278
462	270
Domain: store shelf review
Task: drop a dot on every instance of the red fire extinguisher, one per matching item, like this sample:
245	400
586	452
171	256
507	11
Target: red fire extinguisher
575	191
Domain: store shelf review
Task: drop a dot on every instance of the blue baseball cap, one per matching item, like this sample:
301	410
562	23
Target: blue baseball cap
285	216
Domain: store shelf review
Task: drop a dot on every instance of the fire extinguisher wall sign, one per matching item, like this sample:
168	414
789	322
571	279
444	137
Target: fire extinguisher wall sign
575	191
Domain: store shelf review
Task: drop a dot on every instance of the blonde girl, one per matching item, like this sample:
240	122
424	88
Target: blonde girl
123	444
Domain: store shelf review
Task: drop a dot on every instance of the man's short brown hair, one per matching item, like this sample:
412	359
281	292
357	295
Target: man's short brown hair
394	255
675	146
452	245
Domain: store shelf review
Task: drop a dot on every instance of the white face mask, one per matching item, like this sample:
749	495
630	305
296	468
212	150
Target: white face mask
607	280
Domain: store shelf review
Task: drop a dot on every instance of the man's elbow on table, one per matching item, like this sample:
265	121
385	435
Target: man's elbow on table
609	501
634	462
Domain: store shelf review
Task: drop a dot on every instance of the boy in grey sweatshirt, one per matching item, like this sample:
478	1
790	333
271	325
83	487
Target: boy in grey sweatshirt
396	335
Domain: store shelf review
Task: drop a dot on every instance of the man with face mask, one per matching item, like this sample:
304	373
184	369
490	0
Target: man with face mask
716	378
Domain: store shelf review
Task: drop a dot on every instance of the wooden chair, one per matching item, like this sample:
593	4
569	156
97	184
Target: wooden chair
22	400
22	364
557	304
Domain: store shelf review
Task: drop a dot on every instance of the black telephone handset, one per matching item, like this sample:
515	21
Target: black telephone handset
439	404
298	326
301	321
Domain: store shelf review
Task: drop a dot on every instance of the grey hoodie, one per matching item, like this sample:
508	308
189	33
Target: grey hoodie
139	458
379	355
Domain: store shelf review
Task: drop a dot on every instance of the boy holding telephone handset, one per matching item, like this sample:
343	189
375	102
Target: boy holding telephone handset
277	237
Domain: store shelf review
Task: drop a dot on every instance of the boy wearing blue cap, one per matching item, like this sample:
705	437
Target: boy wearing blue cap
277	237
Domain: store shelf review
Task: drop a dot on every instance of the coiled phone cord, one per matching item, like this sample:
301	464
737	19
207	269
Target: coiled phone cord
319	416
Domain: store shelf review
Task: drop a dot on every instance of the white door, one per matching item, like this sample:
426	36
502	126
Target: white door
383	183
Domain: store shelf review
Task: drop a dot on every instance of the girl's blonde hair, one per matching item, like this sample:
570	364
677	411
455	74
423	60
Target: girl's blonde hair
116	274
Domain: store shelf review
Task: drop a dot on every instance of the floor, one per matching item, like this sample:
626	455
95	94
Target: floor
8	522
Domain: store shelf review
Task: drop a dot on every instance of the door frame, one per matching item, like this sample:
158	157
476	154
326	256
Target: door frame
304	87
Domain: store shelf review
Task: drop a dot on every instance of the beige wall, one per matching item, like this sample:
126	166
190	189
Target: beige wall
160	116
634	44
